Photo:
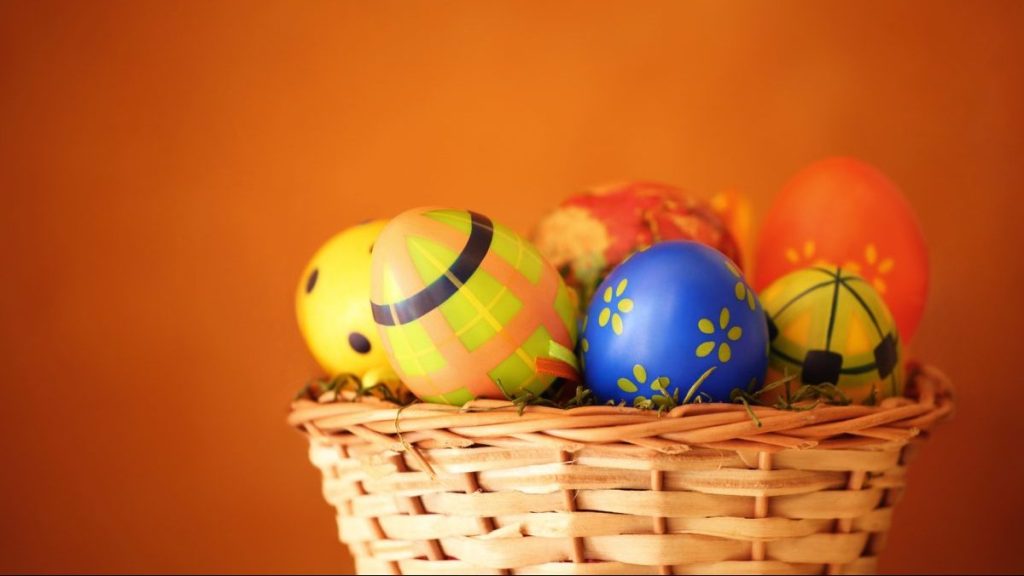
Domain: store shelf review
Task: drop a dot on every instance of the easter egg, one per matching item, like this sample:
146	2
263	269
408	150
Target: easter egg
591	233
333	310
843	212
465	307
667	315
830	325
737	213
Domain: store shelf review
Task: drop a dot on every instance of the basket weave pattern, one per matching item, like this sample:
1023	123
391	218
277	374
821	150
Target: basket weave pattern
431	489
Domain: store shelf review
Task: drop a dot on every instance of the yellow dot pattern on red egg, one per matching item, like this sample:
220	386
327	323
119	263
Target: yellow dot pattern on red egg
465	306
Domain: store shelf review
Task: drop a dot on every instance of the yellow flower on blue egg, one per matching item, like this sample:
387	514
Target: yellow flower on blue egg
732	334
659	385
615	306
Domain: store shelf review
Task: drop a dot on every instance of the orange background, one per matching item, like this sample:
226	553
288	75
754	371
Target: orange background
167	168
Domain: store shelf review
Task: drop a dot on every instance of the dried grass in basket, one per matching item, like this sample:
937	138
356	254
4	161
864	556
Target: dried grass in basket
702	489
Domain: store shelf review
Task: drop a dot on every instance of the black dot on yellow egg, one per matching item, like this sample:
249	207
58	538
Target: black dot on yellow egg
358	342
311	281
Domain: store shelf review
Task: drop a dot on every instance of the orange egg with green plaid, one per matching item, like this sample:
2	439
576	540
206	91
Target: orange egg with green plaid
466	308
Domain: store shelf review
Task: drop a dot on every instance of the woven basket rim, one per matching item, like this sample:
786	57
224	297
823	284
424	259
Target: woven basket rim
714	425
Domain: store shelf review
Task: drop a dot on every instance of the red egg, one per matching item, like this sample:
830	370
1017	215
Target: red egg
845	212
591	233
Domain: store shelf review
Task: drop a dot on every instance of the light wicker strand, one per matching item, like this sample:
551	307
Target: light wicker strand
757	547
843	525
657	485
415	503
569	497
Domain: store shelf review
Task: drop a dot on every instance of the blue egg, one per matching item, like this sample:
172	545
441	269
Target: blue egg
665	316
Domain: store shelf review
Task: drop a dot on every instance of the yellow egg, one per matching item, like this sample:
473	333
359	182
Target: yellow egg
332	303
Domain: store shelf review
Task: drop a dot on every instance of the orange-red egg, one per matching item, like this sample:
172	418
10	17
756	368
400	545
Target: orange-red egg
845	212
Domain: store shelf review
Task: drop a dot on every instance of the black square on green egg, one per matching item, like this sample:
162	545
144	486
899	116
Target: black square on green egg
886	355
821	366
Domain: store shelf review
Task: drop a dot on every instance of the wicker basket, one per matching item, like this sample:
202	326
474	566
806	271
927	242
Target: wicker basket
431	489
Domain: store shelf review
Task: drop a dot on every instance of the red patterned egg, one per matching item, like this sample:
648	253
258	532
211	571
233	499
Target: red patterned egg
591	233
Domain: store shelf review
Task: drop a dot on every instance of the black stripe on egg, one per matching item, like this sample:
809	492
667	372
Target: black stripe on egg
481	234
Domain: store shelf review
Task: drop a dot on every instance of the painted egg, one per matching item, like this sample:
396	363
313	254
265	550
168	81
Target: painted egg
332	306
843	212
465	307
591	233
830	325
737	213
663	318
